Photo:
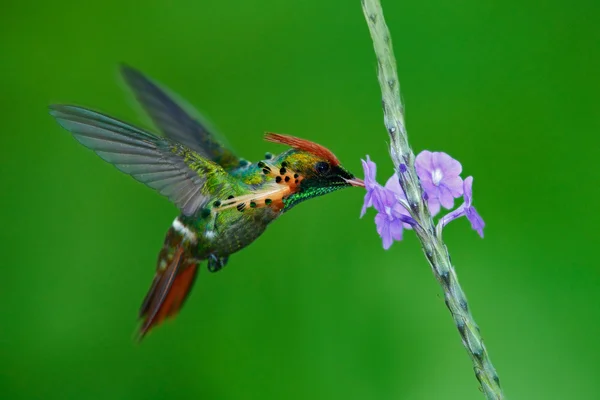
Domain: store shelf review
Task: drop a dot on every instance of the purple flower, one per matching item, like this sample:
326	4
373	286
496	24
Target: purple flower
370	170
393	186
373	195
440	177
393	217
377	196
472	214
466	209
389	227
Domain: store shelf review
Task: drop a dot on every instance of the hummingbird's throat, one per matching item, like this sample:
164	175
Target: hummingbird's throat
280	183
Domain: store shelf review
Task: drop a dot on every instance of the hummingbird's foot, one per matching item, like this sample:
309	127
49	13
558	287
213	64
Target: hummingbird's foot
215	263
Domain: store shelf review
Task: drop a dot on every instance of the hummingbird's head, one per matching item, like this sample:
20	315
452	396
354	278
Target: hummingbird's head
316	168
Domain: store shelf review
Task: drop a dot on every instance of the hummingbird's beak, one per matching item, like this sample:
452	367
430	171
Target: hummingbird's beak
356	182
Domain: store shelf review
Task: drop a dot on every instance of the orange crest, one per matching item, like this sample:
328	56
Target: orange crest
304	145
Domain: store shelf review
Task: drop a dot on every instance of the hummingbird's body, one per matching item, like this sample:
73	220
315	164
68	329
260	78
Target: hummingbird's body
226	203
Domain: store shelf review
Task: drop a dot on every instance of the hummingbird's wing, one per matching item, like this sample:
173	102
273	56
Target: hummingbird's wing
175	122
172	169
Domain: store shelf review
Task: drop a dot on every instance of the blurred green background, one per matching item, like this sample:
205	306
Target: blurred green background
509	88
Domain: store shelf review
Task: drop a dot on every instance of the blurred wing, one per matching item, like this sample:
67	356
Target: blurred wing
175	171
175	123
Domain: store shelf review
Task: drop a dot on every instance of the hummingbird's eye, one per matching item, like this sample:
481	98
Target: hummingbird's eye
322	167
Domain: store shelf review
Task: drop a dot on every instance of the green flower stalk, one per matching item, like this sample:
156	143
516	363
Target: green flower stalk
414	199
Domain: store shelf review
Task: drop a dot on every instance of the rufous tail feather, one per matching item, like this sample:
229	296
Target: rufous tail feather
174	278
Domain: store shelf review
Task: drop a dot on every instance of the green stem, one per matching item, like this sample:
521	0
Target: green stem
433	246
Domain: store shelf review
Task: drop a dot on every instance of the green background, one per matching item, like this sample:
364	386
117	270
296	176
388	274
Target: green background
315	308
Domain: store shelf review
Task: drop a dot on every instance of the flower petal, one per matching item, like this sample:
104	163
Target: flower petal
370	170
393	184
423	165
383	198
446	198
475	220
447	164
368	203
430	189
398	210
423	159
383	229
396	230
434	206
380	220
468	190
454	184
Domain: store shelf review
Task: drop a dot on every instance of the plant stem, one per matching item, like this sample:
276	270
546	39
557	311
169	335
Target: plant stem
433	246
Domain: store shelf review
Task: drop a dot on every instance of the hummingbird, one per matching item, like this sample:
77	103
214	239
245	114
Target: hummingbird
225	202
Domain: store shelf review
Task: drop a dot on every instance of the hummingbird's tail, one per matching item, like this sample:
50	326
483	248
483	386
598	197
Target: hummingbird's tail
175	275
